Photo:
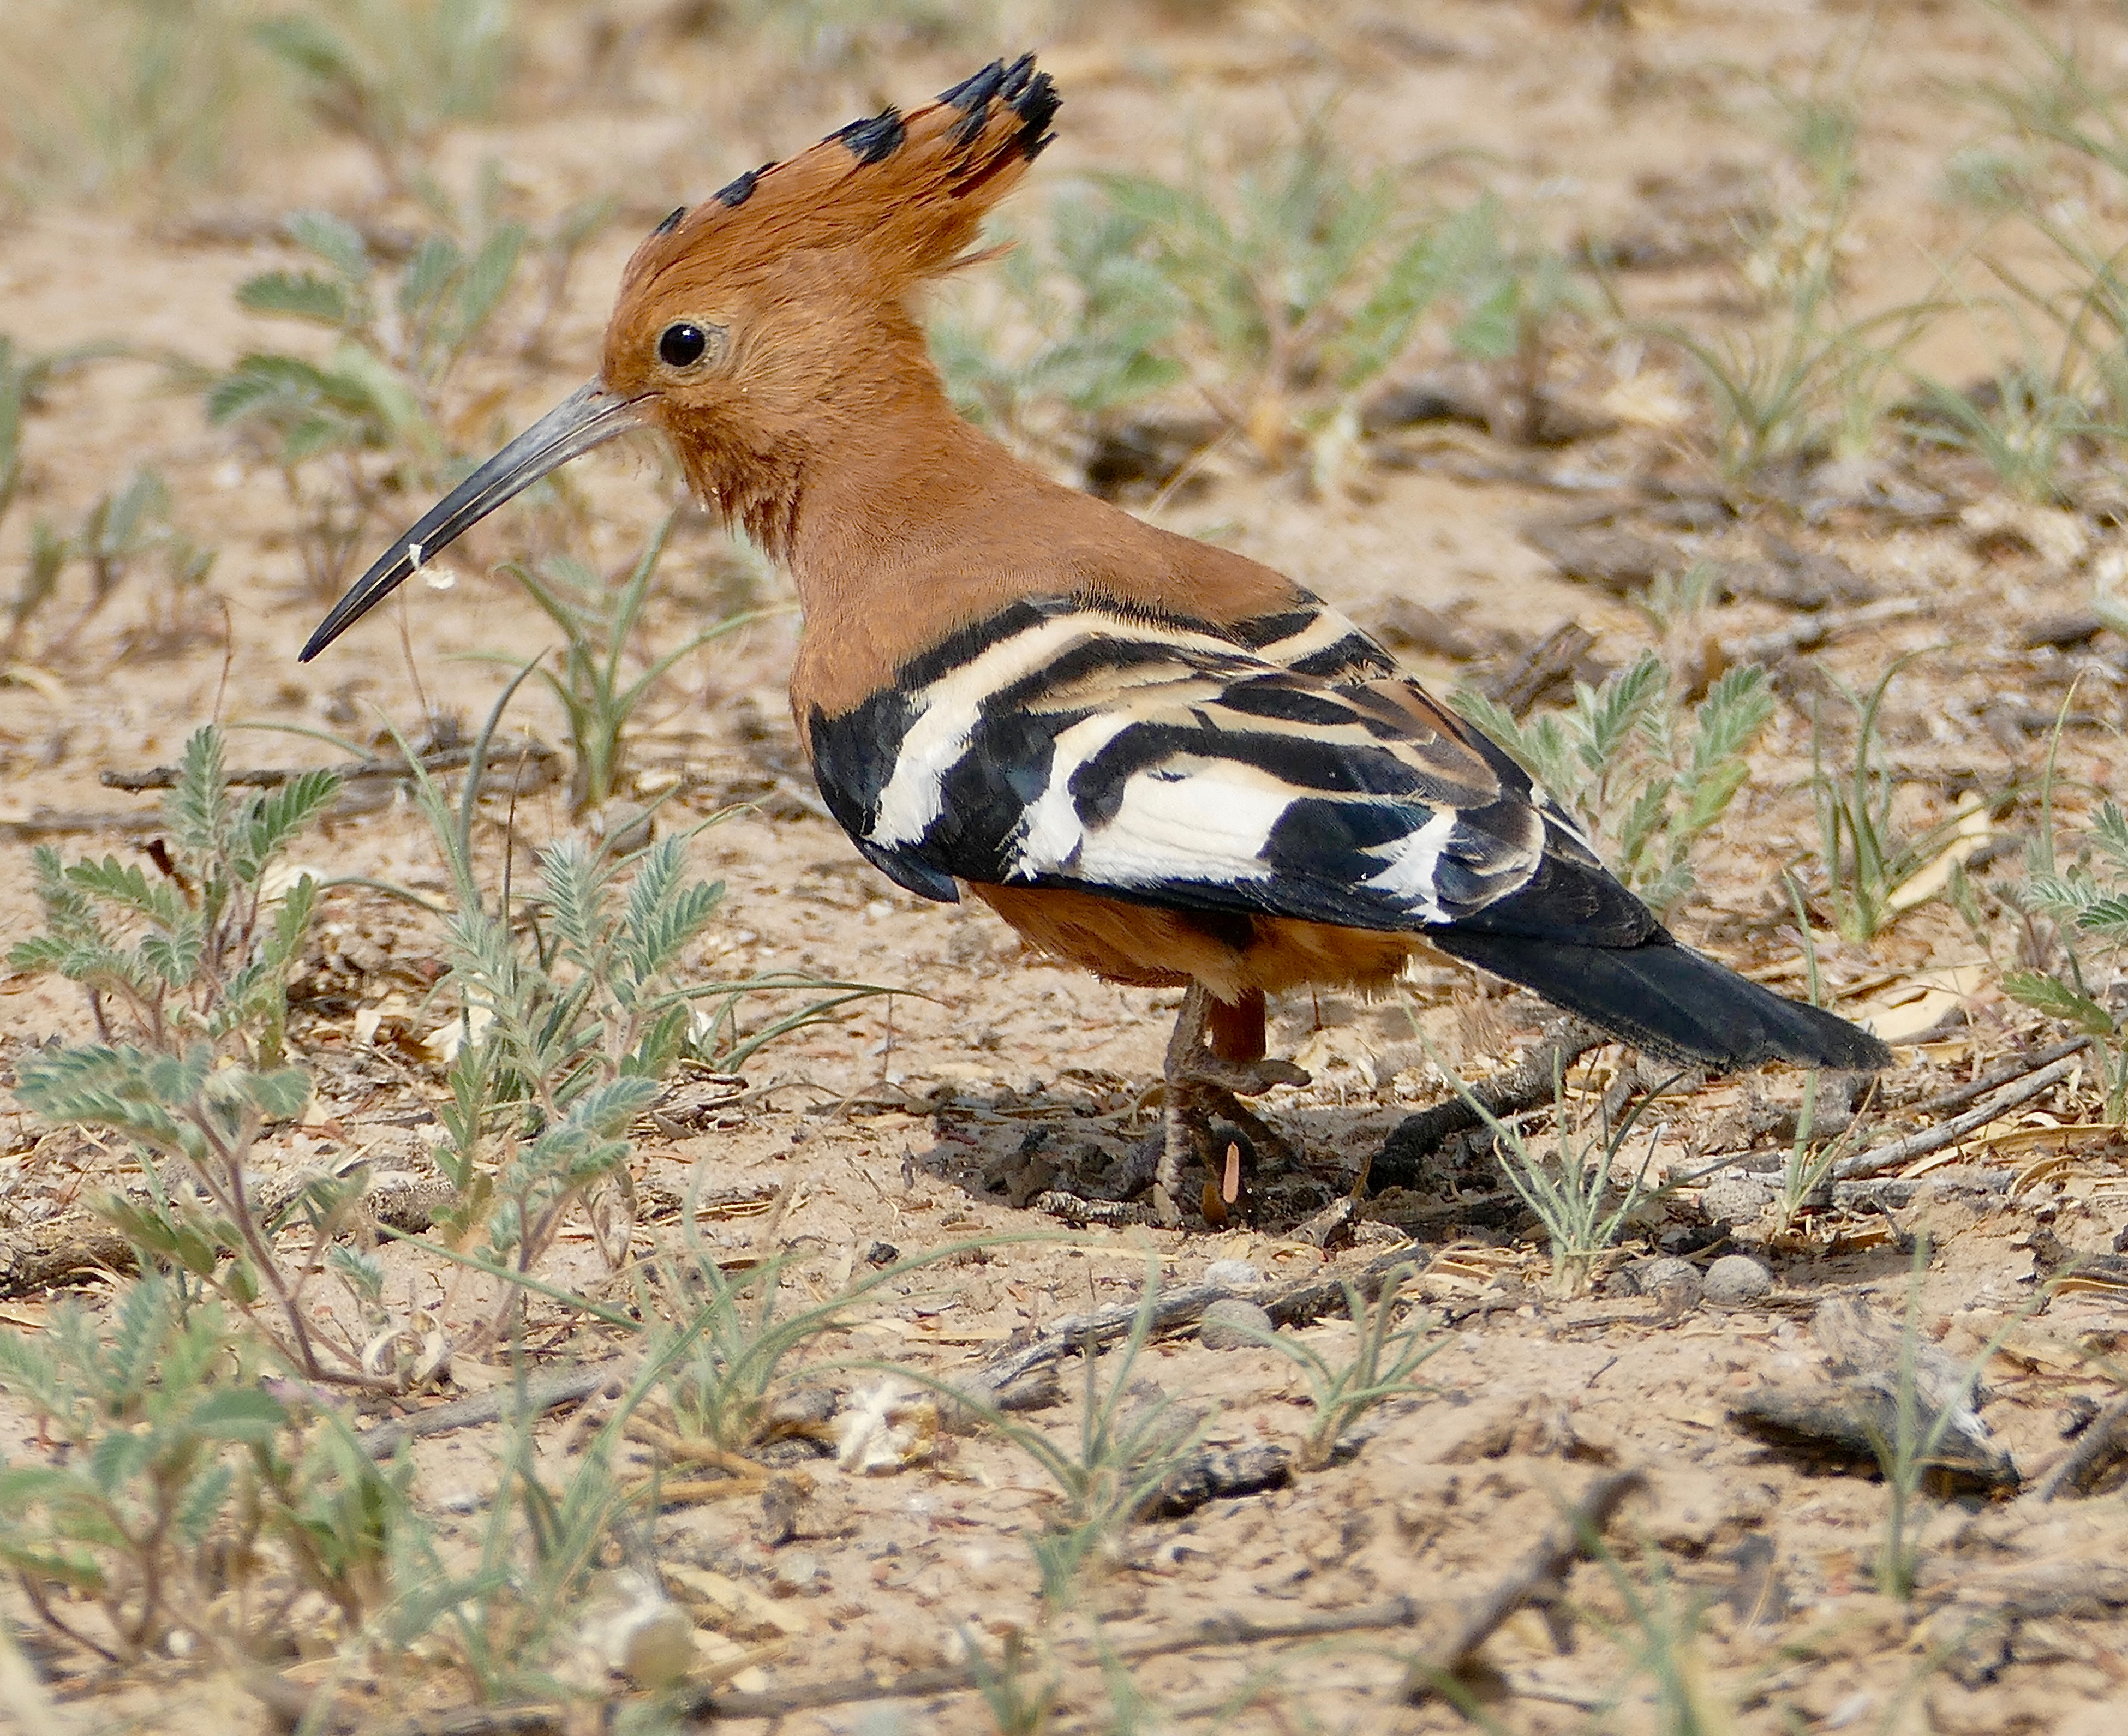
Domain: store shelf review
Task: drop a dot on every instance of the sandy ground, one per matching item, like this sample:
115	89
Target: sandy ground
910	1122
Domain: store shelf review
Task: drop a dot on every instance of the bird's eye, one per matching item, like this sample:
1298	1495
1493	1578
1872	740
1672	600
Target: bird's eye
682	345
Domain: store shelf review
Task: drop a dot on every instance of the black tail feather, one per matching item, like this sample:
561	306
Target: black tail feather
1672	1001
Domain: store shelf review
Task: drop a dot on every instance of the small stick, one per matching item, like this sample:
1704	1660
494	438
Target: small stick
2103	1443
1402	1161
1814	631
1553	659
2016	1067
271	777
1174	1309
1949	1133
542	1394
1571	1540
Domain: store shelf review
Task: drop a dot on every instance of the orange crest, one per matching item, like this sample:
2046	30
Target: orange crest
909	189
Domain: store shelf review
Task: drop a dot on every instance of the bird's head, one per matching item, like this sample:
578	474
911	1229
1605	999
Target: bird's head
748	325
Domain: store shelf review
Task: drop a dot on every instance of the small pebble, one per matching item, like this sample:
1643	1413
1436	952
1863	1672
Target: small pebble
794	1572
1664	1277
1231	1324
1735	1199
1737	1281
1231	1273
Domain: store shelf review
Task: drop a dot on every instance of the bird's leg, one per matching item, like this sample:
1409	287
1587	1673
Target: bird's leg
1201	1079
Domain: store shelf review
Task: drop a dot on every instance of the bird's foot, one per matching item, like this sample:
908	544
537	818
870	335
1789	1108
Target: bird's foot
1193	1104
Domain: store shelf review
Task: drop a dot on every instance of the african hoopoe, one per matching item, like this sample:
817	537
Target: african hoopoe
1151	757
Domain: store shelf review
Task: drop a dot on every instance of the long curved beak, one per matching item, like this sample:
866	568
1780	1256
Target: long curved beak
589	416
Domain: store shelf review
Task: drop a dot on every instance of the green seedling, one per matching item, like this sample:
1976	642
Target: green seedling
1868	860
372	416
173	1492
1625	762
1571	1194
392	75
1385	1357
1085	332
597	694
1303	287
571	1010
185	963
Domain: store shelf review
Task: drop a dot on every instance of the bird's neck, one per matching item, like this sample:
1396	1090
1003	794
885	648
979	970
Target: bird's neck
895	485
902	525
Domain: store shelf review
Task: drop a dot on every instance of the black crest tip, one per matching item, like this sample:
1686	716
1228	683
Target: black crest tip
1030	94
739	189
874	138
976	90
1036	107
671	222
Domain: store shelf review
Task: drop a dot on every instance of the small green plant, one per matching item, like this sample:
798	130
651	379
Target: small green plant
122	96
1805	377
2087	902
2021	429
2068	147
1126	1449
186	964
499	1616
1810	1162
204	937
120	526
22	377
390	74
170	1490
1021	1696
1385	1357
372	415
564	1035
1085	333
1303	287
571	1011
597	694
1929	1407
1868	860
1571	1202
1676	600
1659	1629
1624	763
129	530
1127	1443
1906	1451
849	33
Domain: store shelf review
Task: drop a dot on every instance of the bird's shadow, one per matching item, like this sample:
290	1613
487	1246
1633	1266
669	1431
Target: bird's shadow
1042	1150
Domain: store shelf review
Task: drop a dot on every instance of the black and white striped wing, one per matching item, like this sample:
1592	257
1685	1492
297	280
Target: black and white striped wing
1280	769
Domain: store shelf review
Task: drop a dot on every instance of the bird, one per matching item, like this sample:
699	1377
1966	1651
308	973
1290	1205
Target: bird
1152	757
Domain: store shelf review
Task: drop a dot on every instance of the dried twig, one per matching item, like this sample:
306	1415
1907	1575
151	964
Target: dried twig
1403	1159
2102	1445
1814	631
48	822
1291	1305
1552	660
1572	1539
501	757
1905	1150
2015	1068
540	1393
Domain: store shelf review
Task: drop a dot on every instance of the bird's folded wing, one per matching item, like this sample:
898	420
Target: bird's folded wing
1282	770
